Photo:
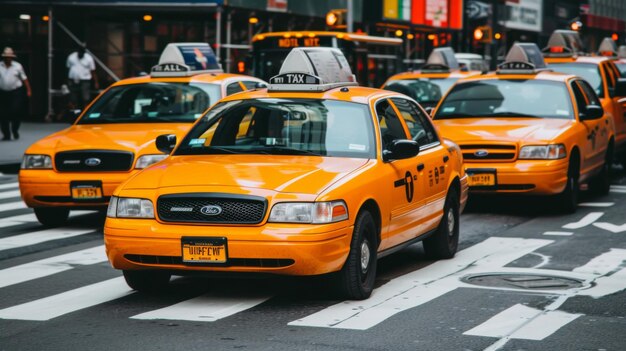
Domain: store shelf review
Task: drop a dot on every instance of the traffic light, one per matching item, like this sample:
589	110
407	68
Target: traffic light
483	34
336	18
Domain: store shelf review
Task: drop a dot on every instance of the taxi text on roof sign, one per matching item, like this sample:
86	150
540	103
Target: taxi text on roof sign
313	69
523	58
441	60
185	59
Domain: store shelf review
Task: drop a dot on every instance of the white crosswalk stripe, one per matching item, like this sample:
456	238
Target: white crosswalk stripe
31	218
49	266
9	186
69	301
9	194
41	236
17	205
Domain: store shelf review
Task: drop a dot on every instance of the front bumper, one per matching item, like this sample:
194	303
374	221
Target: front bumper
48	188
133	244
537	177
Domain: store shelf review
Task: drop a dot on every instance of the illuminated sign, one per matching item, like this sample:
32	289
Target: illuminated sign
296	42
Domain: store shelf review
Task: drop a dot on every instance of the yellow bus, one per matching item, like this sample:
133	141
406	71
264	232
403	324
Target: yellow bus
371	58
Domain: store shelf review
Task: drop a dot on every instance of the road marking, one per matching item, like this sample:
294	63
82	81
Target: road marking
205	308
618	191
41	236
523	322
605	263
12	206
9	194
618	187
421	286
69	301
31	218
558	233
9	185
50	266
611	227
596	204
585	221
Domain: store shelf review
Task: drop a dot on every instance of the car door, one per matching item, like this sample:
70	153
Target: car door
618	103
432	168
595	143
402	180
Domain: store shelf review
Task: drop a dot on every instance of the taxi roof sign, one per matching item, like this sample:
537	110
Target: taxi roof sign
313	69
564	43
607	47
441	60
621	51
186	59
523	58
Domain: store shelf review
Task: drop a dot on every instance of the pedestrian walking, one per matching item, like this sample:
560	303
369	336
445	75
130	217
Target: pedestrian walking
14	90
82	69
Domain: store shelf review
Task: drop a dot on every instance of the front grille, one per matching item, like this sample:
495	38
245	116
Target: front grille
489	152
232	262
93	161
235	209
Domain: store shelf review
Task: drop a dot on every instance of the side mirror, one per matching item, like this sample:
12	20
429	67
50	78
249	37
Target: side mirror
430	111
166	143
400	149
591	112
260	85
620	88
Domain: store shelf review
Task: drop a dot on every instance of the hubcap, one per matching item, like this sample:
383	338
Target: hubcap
451	222
365	256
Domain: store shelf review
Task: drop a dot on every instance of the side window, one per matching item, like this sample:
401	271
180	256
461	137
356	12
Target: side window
249	84
581	99
592	98
419	125
233	88
610	82
389	122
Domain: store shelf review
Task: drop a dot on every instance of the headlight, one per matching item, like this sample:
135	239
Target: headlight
128	207
309	212
543	152
147	160
36	162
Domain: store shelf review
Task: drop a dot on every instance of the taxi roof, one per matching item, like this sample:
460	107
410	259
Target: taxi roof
357	94
215	78
419	74
584	59
541	75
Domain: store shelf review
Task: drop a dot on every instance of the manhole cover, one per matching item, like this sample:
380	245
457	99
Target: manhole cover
523	281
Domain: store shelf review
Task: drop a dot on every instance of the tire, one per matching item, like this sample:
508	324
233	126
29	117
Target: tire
445	242
52	216
567	201
356	278
147	281
601	184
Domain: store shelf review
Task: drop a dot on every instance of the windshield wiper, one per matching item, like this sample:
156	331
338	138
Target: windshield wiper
511	114
456	115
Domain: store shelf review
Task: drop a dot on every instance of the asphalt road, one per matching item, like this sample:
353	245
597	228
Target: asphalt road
526	278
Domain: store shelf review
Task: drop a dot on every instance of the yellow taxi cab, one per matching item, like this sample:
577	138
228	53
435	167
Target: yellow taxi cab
527	130
432	81
564	54
313	175
79	167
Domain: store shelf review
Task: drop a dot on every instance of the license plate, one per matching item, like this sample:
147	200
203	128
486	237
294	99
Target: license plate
86	192
482	179
204	250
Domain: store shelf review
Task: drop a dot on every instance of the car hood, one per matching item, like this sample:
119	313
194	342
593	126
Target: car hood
286	174
128	137
512	130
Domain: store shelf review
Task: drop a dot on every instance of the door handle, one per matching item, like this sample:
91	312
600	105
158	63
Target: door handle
420	167
445	158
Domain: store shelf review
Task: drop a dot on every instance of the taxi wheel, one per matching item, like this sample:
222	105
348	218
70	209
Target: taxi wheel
52	216
147	281
567	201
444	243
356	278
602	183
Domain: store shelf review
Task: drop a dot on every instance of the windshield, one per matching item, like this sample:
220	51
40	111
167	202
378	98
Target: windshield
507	98
587	71
622	68
423	90
152	102
283	127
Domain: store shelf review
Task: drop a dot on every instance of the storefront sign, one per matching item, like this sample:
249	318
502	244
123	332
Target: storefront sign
438	13
524	15
478	9
277	5
399	10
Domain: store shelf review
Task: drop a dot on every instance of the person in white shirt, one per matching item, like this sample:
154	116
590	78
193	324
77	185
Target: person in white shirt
13	80
81	68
